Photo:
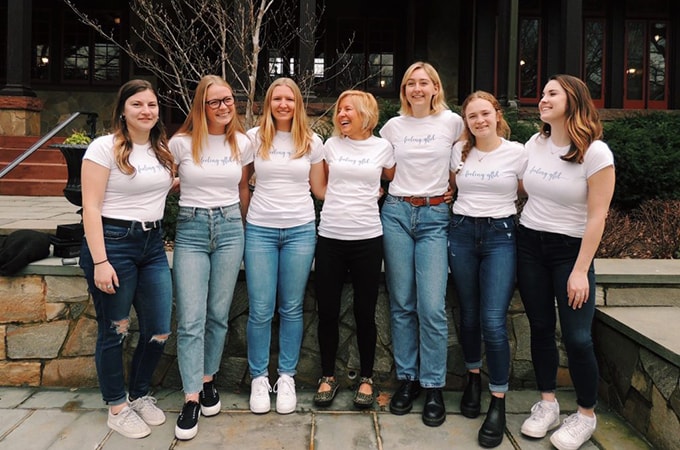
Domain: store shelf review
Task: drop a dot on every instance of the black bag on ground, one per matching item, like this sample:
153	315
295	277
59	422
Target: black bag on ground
20	248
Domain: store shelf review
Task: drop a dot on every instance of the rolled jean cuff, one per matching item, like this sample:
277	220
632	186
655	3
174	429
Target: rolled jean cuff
432	386
501	388
473	365
119	401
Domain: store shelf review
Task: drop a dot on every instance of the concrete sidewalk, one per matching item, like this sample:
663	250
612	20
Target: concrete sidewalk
35	419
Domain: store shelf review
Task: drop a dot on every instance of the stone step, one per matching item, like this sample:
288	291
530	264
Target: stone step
32	187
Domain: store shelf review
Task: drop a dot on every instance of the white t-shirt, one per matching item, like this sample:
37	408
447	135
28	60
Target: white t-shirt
487	182
282	197
422	150
558	189
213	182
350	210
140	196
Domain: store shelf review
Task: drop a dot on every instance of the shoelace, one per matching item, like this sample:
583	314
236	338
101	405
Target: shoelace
287	383
575	426
147	402
539	411
263	386
129	416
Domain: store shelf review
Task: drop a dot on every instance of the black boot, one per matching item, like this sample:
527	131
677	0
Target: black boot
470	403
402	400
491	433
434	412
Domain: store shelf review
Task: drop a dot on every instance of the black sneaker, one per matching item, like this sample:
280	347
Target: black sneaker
210	399
187	422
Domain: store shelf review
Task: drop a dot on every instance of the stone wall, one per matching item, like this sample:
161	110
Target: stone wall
48	333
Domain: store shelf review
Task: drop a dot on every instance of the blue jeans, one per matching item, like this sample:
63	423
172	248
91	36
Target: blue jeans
140	262
483	260
416	272
207	260
544	263
277	261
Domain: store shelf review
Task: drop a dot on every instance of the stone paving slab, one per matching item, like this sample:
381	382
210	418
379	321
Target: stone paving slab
336	431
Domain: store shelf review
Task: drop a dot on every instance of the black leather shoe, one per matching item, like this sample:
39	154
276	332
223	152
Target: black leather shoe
491	433
402	400
434	412
470	403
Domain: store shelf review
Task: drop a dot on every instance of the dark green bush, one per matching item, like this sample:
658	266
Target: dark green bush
520	130
647	156
170	216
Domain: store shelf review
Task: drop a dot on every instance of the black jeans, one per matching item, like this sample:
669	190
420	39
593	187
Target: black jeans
544	263
334	259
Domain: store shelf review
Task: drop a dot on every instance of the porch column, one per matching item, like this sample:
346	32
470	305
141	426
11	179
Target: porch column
19	106
572	36
18	49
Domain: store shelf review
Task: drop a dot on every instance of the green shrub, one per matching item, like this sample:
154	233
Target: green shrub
170	216
647	157
520	130
78	137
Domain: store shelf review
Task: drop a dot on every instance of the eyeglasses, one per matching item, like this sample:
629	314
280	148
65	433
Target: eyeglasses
215	103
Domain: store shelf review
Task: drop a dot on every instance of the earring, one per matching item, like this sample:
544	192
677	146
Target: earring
122	118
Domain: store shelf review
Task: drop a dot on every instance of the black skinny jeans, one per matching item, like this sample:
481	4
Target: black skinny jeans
334	259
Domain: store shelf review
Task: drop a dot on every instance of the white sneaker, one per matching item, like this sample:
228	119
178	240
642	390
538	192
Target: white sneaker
128	423
286	401
259	395
146	408
575	430
545	416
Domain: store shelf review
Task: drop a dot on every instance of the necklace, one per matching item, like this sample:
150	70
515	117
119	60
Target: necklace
481	155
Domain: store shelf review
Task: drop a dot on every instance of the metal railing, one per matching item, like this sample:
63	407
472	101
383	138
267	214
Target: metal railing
91	122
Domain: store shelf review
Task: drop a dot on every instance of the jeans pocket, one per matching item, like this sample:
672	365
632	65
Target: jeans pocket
116	233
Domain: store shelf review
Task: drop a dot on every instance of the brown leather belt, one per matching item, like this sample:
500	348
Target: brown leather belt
422	201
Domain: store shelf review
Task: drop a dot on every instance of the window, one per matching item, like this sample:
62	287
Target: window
89	58
646	65
368	62
529	60
593	55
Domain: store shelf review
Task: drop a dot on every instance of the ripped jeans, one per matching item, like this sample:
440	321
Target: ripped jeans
140	262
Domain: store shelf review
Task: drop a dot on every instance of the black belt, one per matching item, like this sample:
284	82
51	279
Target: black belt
146	226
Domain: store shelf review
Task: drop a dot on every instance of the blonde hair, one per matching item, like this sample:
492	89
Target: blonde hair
196	123
438	101
502	127
582	123
366	105
300	130
122	142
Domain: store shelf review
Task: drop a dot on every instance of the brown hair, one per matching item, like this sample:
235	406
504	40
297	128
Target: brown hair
583	123
502	127
121	137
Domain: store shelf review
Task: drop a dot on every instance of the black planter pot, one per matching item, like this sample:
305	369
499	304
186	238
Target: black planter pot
73	154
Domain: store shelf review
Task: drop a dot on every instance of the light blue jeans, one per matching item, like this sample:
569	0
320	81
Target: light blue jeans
416	271
483	261
207	259
277	261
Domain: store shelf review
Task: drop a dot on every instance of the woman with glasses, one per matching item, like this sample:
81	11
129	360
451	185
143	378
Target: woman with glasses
214	161
280	239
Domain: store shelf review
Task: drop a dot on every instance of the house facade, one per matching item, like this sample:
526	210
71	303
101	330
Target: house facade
625	50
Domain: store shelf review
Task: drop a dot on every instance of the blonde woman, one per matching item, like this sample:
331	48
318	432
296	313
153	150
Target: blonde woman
350	238
280	239
415	218
214	161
